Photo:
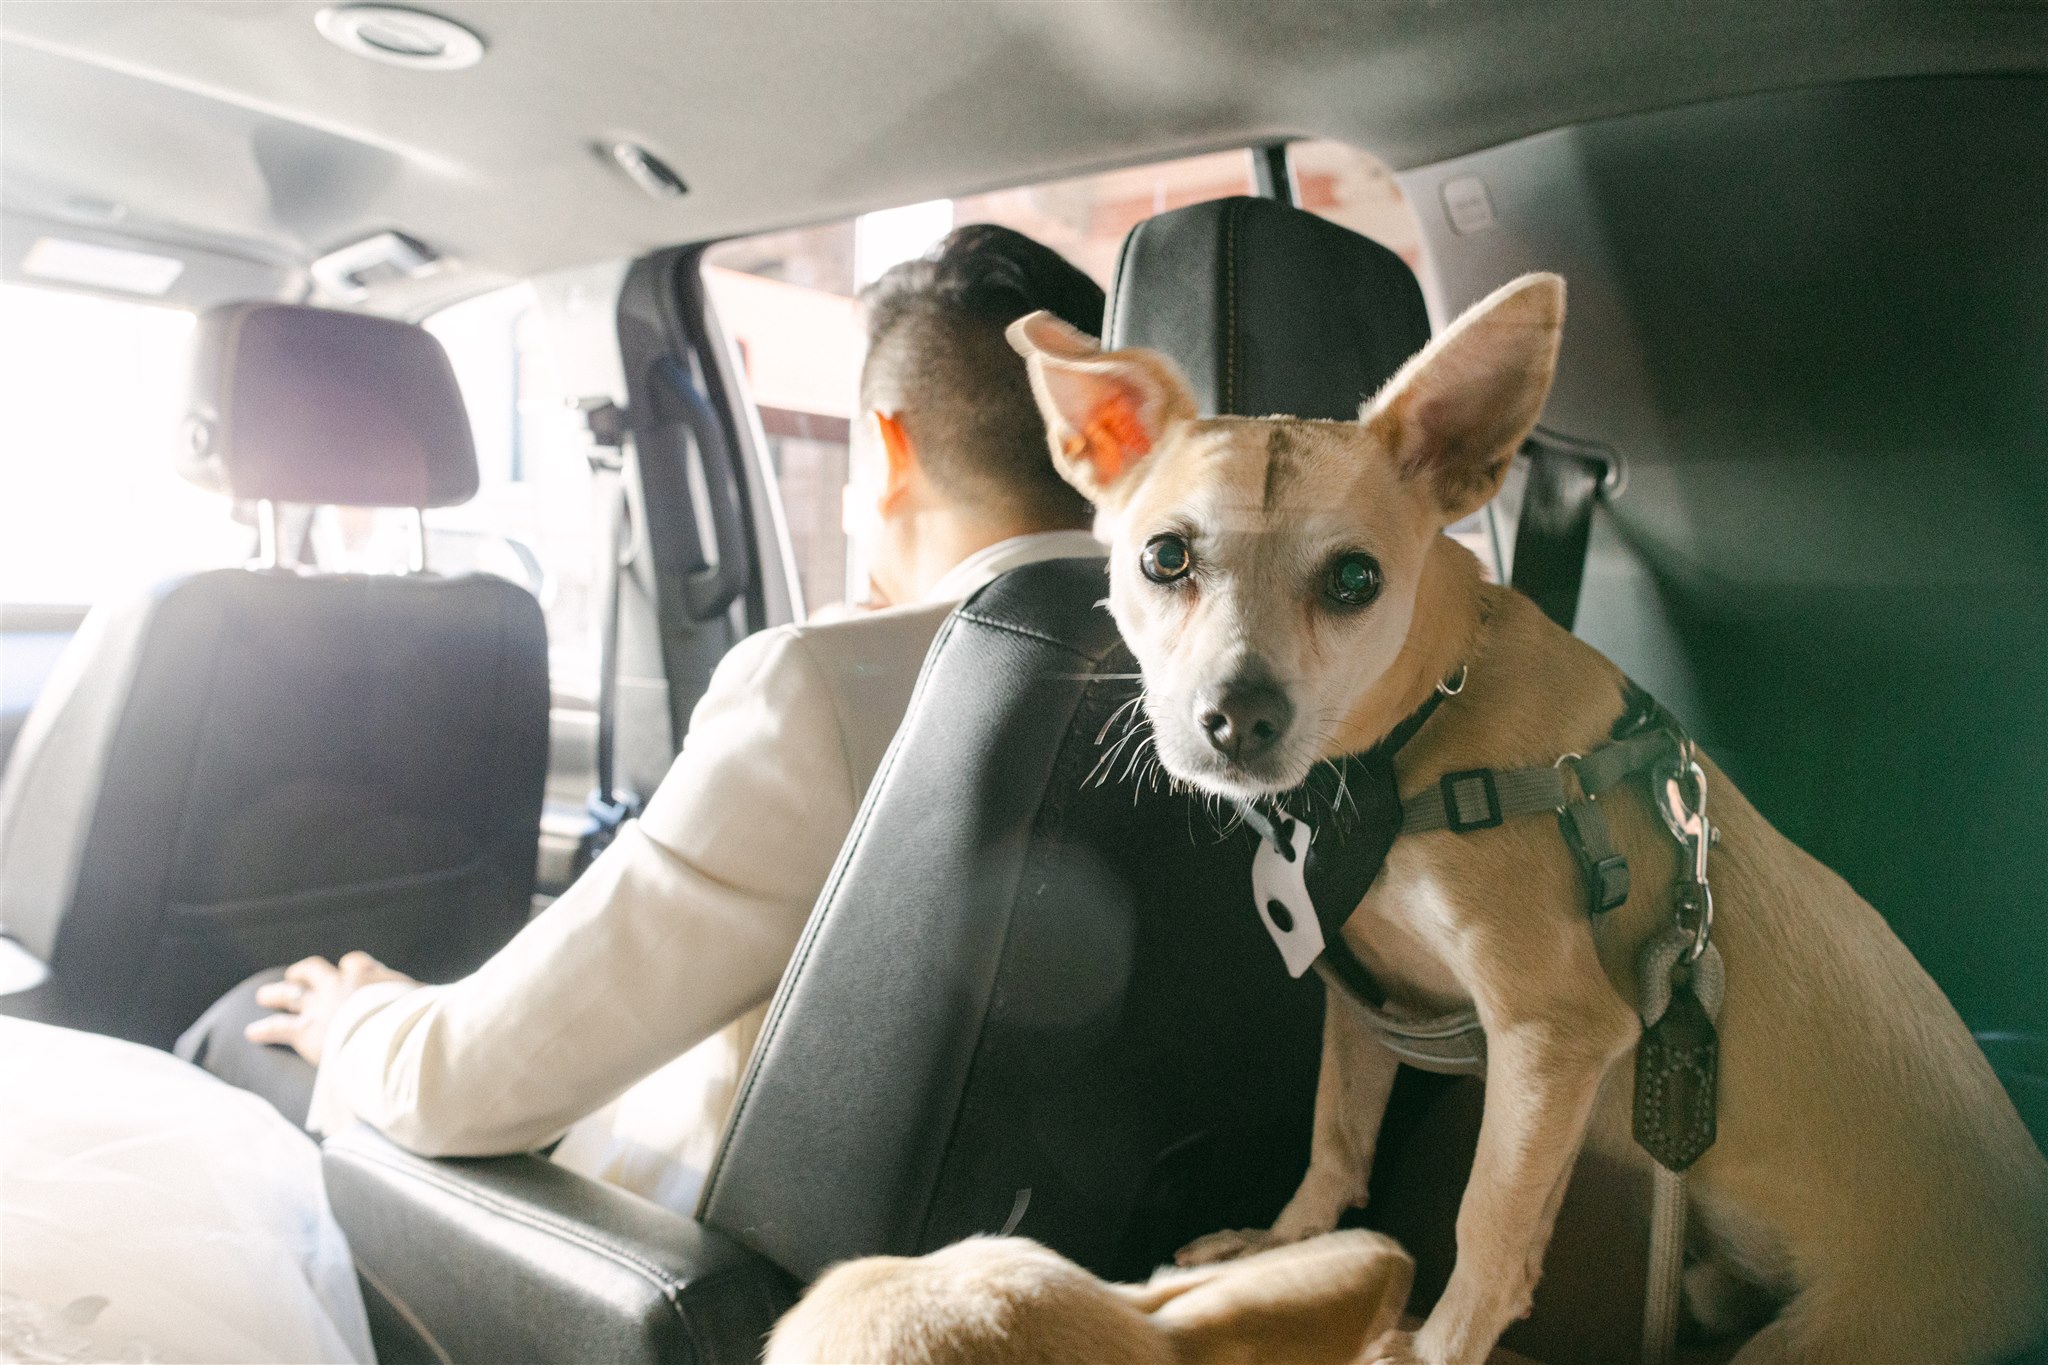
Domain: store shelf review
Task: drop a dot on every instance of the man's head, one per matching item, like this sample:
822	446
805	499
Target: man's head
949	425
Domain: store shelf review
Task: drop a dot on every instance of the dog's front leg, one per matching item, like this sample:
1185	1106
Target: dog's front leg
1543	1073
1352	1085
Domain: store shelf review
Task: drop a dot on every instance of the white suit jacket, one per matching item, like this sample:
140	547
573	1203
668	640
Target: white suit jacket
603	1008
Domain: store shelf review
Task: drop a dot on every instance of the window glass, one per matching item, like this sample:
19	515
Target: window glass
91	397
1357	190
536	518
789	301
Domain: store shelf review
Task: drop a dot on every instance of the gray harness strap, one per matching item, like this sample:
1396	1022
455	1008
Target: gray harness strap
1454	1043
1483	797
1449	1044
1644	740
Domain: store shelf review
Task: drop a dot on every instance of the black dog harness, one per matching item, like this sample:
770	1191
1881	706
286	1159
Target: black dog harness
1308	880
1341	857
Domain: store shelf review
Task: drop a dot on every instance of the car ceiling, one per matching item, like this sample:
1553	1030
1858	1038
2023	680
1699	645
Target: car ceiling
236	127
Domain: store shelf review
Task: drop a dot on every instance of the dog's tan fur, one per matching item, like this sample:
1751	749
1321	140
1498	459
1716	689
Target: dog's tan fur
1010	1301
1870	1171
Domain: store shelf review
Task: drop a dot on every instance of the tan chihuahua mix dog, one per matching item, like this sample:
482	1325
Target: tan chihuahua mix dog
1010	1301
1290	597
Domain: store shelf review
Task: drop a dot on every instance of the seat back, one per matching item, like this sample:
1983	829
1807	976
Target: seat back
1027	1000
1034	996
243	767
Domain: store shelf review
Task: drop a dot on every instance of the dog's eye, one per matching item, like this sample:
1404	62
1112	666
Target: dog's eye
1354	579
1166	558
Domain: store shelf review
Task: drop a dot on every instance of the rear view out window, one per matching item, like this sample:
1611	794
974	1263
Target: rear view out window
91	398
789	301
524	355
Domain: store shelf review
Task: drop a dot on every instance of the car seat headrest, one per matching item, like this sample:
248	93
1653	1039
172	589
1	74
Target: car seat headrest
309	405
1268	309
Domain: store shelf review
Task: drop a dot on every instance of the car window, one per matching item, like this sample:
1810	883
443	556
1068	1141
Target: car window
1356	189
91	395
91	399
522	357
789	301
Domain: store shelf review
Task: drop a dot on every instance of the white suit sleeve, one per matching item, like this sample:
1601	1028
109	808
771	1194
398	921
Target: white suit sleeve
684	923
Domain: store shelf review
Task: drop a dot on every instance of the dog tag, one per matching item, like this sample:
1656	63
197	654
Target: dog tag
1678	1055
1280	894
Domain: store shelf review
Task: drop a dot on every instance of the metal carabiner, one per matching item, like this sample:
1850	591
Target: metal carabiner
1686	816
1699	897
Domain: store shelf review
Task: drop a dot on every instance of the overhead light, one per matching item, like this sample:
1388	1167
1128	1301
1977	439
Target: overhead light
402	37
101	267
348	272
646	170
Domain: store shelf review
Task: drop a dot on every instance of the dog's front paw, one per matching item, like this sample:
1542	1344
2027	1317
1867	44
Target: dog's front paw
1225	1246
1392	1348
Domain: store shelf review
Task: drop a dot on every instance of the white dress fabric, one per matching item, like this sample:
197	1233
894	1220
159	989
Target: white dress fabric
149	1212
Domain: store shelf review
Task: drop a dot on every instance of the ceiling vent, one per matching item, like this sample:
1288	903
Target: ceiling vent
402	37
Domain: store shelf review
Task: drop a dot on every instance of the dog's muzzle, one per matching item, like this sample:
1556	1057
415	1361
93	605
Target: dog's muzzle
1248	719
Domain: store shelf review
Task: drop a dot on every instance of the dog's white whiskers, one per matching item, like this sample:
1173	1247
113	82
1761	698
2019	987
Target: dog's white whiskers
1123	710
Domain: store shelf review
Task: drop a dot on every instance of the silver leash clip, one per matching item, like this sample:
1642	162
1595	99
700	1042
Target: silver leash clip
1685	815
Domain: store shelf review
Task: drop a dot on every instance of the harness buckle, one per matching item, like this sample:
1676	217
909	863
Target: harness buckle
1473	784
1602	866
1608	882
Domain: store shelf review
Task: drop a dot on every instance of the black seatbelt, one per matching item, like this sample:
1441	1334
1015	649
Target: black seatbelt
609	806
1565	479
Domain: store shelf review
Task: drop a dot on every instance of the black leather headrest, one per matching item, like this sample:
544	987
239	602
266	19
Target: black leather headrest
1270	310
309	405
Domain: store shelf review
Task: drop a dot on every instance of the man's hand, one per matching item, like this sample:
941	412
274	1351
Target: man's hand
306	1000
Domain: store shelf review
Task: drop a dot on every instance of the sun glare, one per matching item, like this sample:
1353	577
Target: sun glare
89	409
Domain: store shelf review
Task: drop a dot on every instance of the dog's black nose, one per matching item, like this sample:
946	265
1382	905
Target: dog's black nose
1247	720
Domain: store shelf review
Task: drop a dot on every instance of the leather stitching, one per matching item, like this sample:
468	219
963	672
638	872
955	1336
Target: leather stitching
670	1286
1230	307
1116	300
404	1310
771	1027
1063	786
1012	628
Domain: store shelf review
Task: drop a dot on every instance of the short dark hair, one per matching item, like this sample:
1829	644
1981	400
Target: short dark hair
937	355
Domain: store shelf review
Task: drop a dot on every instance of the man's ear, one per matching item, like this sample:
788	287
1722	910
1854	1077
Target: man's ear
898	455
1104	411
1456	414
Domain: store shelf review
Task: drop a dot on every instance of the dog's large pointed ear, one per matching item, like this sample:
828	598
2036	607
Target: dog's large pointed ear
1456	413
1105	411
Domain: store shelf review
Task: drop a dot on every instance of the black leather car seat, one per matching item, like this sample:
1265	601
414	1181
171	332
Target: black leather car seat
245	766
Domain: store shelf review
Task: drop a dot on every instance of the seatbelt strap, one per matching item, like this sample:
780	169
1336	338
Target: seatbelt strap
609	806
1565	479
